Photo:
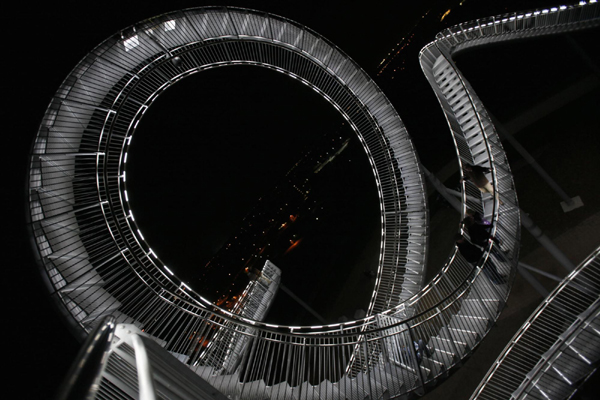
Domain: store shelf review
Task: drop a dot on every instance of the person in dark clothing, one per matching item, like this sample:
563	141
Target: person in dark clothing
479	228
421	349
480	231
473	254
469	251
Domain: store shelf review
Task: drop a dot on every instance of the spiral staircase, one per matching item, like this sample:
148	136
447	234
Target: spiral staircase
98	264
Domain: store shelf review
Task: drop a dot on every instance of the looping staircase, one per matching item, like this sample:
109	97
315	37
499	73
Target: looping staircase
98	263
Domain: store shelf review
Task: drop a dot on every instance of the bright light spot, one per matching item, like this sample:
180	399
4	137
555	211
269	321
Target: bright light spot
125	158
554	9
168	270
170	25
184	285
445	15
140	233
131	43
126	197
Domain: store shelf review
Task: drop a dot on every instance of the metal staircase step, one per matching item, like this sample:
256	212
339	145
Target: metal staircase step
432	367
464	340
471	322
478	308
256	390
282	391
305	391
391	383
408	377
370	385
350	390
571	366
327	390
594	327
568	370
463	100
458	97
444	357
585	347
549	388
447	346
229	385
467	114
203	370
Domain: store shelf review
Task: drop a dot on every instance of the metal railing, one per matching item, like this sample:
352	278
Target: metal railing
100	264
83	225
83	379
557	348
120	362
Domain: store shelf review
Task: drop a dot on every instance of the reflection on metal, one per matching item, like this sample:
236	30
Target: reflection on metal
101	264
557	348
83	379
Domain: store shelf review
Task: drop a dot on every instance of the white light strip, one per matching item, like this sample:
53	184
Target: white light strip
168	270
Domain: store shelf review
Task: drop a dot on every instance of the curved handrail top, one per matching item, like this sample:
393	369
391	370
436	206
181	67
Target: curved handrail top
87	368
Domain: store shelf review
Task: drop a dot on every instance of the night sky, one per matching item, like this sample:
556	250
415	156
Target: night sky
230	160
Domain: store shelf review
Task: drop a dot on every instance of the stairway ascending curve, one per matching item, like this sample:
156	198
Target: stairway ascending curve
98	263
